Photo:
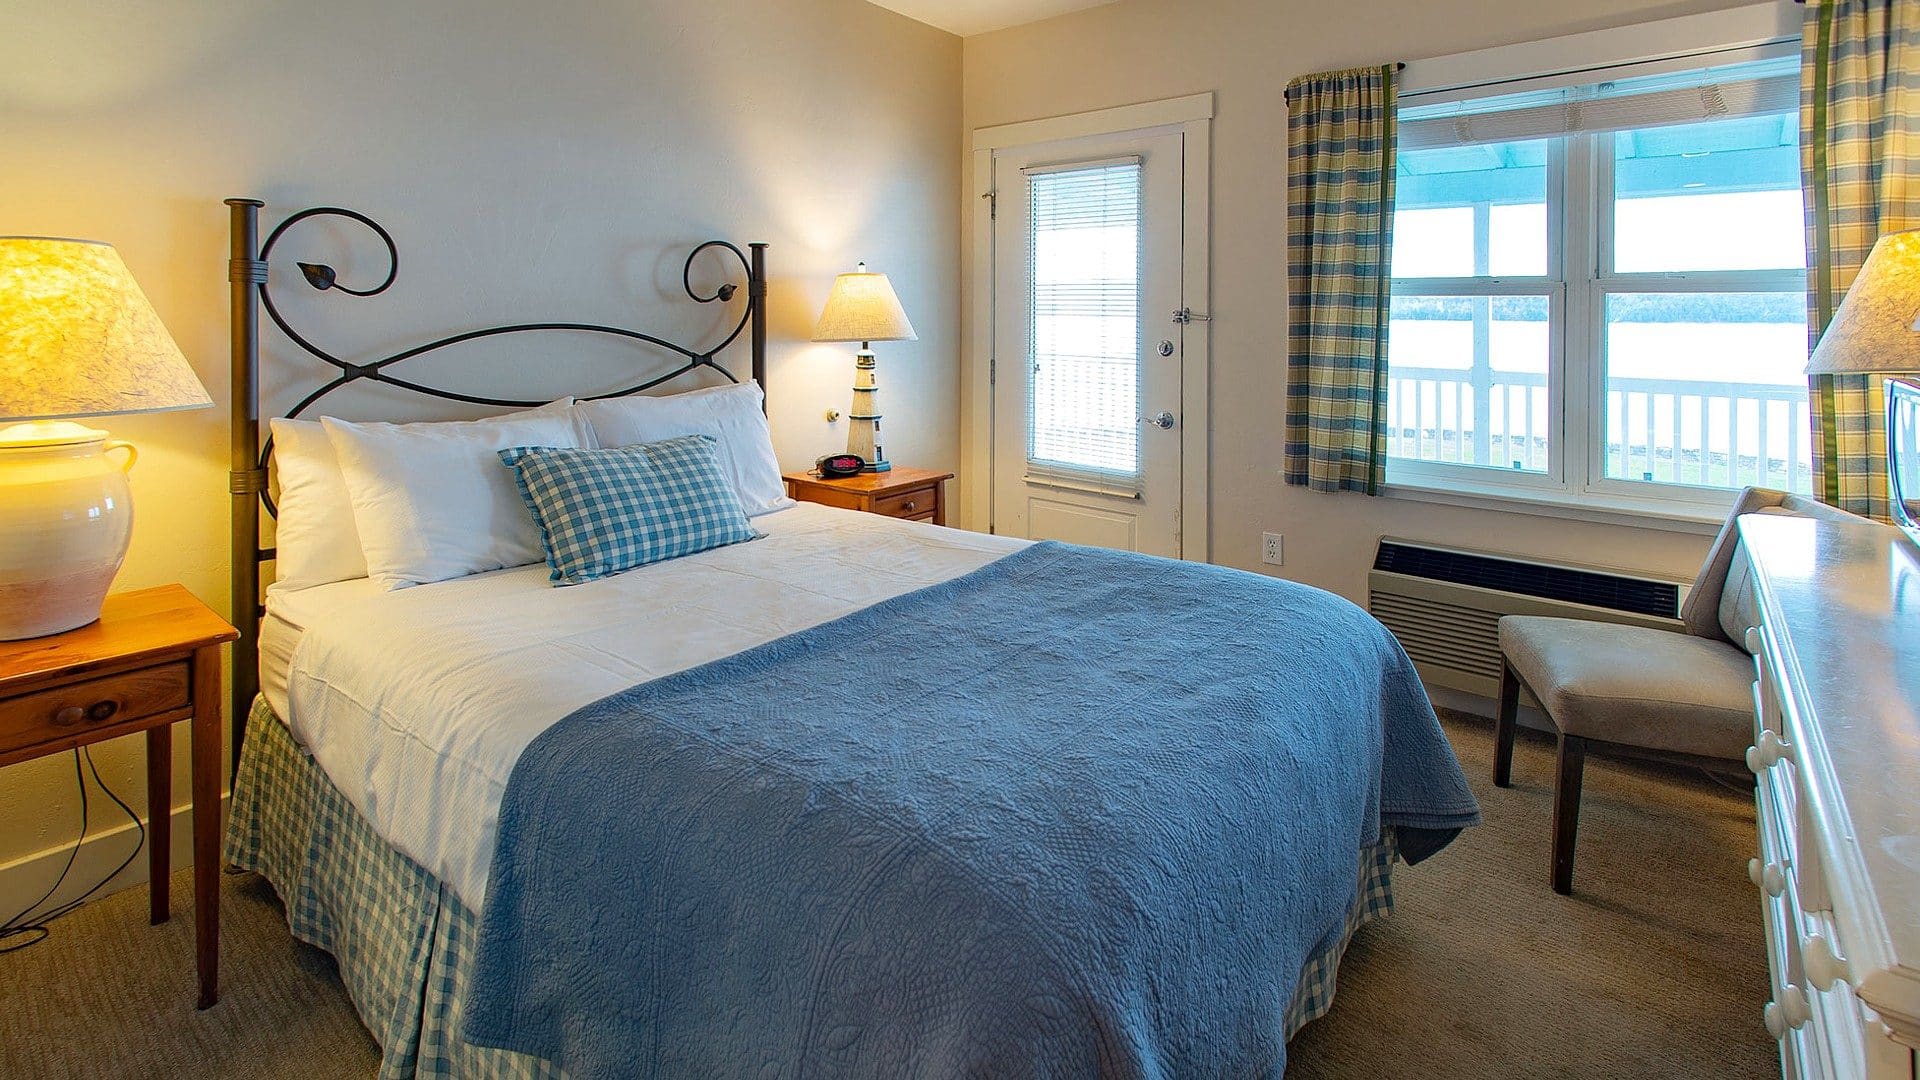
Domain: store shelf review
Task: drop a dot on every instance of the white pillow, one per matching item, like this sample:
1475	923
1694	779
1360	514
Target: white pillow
433	501
731	414
314	536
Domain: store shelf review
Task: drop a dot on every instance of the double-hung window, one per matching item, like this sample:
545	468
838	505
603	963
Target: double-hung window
1598	291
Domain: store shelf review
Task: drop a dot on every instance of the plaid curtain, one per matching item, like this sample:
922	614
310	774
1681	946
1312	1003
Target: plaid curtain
1860	164
1339	229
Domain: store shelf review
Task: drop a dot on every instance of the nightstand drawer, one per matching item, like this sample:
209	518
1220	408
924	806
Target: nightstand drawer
902	492
95	703
907	504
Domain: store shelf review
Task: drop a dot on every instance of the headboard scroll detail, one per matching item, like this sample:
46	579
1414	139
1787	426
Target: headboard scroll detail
251	293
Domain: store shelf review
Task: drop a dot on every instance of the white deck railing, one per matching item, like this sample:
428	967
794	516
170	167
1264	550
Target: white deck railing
1670	430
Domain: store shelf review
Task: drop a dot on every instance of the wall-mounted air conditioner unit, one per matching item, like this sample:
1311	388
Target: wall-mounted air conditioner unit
1444	604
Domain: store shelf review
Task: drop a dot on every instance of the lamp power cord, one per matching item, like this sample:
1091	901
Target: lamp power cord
28	928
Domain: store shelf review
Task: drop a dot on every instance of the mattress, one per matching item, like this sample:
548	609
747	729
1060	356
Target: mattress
288	615
417	703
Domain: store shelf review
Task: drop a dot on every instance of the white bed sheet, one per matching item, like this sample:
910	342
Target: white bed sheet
287	618
417	703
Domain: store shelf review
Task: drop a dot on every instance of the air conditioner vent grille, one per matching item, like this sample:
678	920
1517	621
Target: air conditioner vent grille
1590	587
1445	635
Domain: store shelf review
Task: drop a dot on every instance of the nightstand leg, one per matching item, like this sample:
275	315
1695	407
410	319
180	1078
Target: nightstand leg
206	821
159	819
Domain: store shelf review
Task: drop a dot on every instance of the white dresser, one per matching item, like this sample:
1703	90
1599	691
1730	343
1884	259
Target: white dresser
1837	756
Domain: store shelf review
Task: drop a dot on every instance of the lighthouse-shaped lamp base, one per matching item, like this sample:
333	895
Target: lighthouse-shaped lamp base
863	418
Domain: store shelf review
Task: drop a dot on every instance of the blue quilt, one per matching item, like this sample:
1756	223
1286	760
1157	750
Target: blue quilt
1077	813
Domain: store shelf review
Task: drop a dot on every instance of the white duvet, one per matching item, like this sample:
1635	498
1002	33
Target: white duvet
417	703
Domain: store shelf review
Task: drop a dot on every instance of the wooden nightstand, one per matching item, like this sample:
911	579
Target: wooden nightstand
902	492
152	661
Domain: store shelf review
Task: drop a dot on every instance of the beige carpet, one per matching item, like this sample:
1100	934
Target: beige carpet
1652	969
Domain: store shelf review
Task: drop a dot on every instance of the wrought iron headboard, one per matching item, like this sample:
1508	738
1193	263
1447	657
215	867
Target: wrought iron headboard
251	294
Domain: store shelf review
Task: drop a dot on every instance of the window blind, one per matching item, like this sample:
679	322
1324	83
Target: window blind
1757	89
1083	264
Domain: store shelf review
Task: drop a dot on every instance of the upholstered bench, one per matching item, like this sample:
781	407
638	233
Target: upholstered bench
1637	691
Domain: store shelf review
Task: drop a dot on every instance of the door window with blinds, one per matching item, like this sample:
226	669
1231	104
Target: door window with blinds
1598	287
1083	252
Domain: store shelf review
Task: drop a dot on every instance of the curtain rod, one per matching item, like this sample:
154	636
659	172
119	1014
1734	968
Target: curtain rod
1287	95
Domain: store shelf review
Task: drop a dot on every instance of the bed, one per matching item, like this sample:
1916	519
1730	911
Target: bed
383	737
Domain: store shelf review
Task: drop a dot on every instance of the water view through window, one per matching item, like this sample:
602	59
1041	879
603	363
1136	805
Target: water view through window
1690	355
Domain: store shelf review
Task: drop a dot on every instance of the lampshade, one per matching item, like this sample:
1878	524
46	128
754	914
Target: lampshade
78	337
862	307
1876	328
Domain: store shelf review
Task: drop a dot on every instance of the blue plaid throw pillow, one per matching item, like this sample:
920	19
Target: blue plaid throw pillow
604	511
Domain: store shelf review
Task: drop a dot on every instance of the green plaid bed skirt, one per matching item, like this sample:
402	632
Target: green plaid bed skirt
404	941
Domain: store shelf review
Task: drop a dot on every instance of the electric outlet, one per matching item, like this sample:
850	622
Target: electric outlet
1270	549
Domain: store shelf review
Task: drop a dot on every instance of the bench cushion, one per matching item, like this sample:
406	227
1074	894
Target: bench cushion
1635	685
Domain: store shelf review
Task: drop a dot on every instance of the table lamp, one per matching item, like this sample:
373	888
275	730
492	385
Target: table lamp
77	338
1875	329
863	308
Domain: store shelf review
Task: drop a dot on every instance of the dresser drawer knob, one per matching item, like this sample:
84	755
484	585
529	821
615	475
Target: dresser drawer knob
69	716
1770	878
1824	966
1774	749
1771	750
1789	1012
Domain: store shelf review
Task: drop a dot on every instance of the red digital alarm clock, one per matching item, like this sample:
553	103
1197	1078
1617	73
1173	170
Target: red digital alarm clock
838	465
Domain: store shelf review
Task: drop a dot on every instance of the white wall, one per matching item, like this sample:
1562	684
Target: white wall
1246	51
549	160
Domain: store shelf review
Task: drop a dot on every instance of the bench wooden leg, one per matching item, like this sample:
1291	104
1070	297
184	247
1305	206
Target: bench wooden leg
1566	809
1506	718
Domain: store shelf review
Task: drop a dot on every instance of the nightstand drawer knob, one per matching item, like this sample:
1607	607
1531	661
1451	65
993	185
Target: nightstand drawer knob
98	712
909	505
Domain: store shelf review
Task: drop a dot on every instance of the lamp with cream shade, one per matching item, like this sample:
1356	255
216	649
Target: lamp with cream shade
1877	328
862	307
77	339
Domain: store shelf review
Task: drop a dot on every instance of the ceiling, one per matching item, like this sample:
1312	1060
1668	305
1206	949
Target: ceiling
968	17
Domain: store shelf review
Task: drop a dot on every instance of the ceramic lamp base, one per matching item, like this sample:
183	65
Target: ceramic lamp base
863	418
54	605
66	515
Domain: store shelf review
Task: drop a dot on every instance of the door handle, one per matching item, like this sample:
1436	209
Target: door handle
1162	421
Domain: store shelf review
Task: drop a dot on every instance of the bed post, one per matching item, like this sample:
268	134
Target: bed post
246	479
757	298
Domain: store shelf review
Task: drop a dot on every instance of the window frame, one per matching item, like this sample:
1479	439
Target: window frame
1580	213
1606	281
1442	475
1121	482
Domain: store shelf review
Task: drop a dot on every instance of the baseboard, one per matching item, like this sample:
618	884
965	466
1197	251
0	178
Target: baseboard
24	879
1484	707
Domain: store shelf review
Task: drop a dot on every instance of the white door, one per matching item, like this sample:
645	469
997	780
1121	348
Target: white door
1087	357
